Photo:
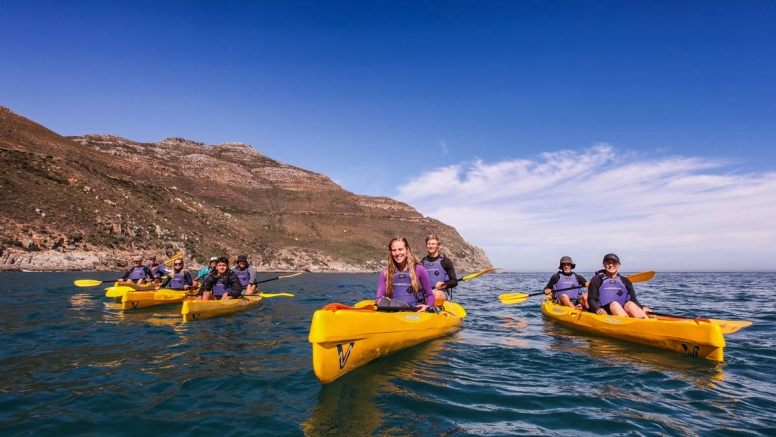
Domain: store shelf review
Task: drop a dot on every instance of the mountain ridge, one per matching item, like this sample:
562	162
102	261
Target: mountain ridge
92	201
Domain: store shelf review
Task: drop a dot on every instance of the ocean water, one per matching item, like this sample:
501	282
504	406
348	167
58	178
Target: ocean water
73	364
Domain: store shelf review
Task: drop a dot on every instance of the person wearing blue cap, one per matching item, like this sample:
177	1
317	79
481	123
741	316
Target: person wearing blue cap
611	293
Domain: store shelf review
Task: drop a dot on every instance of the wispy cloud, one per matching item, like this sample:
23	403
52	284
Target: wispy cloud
443	145
669	213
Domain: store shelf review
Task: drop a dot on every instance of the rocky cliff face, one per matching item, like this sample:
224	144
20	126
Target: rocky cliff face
90	202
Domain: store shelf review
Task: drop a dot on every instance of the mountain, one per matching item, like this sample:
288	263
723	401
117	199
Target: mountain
92	201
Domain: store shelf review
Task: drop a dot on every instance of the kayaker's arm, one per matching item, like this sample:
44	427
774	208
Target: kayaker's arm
551	283
381	286
166	282
593	294
425	284
126	275
632	293
187	280
235	284
448	267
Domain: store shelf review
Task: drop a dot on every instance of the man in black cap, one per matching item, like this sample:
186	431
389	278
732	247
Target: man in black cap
566	286
246	273
610	293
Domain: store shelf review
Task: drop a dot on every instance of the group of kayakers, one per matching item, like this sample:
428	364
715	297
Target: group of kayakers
215	281
406	281
608	292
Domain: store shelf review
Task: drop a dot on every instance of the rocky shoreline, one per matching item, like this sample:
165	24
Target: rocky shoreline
78	260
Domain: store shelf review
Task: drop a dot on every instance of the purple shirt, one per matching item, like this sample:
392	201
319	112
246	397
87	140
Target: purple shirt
425	284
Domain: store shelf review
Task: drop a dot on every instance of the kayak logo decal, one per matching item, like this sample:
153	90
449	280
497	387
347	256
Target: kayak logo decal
343	356
693	352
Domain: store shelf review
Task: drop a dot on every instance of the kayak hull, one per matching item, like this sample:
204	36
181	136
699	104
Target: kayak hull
193	310
120	288
133	300
694	337
345	338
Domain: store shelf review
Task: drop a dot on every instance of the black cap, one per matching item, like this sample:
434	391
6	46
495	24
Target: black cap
241	258
612	257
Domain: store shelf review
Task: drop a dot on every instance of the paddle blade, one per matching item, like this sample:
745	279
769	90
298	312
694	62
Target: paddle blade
276	294
173	258
641	277
87	282
512	298
290	276
474	275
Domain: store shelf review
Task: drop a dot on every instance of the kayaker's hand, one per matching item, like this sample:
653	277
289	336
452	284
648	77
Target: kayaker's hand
439	285
422	308
601	312
646	310
157	287
547	291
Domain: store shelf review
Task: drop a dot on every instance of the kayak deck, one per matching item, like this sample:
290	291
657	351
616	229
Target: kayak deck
132	300
345	338
693	337
206	309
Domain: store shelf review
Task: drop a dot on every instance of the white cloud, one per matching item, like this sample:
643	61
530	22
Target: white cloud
674	213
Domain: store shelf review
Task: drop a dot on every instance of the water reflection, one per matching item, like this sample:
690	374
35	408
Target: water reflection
350	404
617	353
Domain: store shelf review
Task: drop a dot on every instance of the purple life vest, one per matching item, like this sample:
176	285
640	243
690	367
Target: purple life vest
567	282
435	271
243	275
138	272
157	271
178	281
612	290
403	291
219	289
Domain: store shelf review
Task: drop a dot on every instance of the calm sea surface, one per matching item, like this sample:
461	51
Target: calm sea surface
73	364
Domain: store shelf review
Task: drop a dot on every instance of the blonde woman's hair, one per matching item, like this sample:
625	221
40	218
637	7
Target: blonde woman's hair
392	267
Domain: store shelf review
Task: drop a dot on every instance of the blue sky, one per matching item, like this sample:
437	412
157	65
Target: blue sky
537	129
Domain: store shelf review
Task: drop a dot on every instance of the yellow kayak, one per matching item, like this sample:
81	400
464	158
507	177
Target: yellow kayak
694	337
119	288
136	299
345	338
206	309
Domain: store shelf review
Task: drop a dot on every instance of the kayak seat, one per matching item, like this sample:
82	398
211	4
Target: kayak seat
342	307
385	304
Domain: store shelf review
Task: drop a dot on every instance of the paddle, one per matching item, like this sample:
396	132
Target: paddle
90	282
727	326
95	282
274	294
513	298
173	258
279	277
471	276
474	275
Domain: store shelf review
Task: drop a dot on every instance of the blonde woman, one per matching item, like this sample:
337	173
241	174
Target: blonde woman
405	279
